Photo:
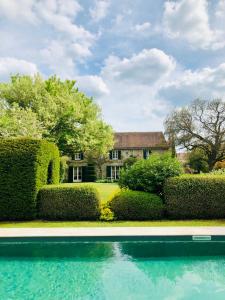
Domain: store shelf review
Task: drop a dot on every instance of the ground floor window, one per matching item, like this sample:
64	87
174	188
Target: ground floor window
77	174
113	172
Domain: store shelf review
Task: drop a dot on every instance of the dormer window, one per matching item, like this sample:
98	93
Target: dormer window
78	156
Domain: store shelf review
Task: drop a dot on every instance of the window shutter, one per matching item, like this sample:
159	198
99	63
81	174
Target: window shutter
91	173
110	154
81	155
108	171
70	174
84	174
119	154
144	154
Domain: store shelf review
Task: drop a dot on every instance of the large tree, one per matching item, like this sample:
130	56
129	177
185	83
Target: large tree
55	110
201	125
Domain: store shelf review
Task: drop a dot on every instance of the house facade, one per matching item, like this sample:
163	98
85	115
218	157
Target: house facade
127	144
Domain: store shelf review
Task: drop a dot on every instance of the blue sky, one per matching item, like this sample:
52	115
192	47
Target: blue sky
138	58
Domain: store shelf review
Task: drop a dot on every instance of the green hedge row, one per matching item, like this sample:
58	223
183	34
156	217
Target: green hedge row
25	166
69	202
195	197
135	205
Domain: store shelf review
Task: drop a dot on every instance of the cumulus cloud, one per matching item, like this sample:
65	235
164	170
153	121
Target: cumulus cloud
189	20
10	65
18	10
100	10
92	85
146	67
142	27
70	43
132	102
55	57
206	83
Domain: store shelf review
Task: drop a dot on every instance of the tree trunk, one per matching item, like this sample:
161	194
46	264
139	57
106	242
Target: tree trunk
211	163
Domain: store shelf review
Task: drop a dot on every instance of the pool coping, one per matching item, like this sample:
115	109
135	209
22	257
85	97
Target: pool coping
112	232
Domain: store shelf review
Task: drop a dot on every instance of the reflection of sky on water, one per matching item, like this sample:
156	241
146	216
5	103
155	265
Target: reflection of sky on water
109	271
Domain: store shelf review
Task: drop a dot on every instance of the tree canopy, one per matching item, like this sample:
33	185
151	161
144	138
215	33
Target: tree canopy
201	125
53	109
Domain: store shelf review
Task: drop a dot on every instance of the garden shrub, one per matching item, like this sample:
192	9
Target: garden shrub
25	166
195	197
218	172
69	202
106	214
135	205
149	175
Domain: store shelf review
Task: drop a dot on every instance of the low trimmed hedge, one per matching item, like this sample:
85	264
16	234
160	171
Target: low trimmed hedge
69	202
195	197
135	205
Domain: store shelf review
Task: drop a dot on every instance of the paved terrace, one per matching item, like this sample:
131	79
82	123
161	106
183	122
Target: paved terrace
111	231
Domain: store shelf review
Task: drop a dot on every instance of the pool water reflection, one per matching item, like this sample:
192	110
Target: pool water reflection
112	270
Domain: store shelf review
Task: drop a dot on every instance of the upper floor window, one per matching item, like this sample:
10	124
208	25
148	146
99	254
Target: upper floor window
115	154
78	156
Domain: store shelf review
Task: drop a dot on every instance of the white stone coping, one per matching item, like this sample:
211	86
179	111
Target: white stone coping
111	231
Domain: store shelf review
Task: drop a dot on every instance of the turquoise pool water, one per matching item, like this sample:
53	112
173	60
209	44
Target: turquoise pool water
65	270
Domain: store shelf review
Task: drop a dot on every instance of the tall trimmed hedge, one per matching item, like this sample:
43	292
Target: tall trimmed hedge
69	202
25	166
195	197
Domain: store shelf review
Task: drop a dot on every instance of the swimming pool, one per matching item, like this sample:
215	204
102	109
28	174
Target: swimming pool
112	268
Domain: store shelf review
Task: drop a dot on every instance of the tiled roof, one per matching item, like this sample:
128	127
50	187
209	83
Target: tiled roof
137	140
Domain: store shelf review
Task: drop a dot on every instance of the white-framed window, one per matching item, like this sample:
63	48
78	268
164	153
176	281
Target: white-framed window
115	154
77	156
115	172
147	153
77	174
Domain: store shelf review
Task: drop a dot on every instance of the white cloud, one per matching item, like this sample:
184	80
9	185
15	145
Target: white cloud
146	67
142	27
18	10
189	20
60	15
92	85
144	88
56	58
132	102
220	9
10	65
206	83
100	10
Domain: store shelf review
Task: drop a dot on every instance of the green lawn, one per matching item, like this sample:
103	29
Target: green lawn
112	224
106	190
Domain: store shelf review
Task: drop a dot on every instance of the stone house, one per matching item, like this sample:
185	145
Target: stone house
127	144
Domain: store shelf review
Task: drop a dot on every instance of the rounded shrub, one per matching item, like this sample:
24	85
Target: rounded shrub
149	175
135	205
25	166
195	197
69	202
106	214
